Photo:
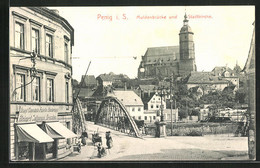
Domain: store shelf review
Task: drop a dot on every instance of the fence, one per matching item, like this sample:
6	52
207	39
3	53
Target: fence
197	129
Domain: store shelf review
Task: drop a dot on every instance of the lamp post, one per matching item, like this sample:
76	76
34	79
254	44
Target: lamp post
161	90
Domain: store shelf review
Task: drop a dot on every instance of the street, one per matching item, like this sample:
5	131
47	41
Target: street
208	147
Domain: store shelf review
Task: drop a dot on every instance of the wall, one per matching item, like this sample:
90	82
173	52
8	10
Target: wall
47	67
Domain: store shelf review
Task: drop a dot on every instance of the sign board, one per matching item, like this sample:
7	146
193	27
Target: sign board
37	117
39	113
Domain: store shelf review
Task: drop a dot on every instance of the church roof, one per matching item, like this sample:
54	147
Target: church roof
162	51
205	78
186	28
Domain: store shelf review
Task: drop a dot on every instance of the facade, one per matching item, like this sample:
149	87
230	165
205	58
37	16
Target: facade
40	83
207	81
132	102
154	103
160	62
249	69
227	74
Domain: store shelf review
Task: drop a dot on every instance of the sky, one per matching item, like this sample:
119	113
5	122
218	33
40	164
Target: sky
110	37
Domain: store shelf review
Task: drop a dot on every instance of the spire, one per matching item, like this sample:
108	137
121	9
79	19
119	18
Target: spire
185	21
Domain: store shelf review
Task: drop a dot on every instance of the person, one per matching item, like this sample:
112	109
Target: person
109	140
101	150
83	140
79	146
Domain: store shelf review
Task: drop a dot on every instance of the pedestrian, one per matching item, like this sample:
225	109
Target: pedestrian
109	140
83	140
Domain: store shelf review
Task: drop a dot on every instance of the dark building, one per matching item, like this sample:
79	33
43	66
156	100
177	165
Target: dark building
159	62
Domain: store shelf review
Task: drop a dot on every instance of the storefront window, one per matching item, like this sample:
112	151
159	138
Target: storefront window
23	150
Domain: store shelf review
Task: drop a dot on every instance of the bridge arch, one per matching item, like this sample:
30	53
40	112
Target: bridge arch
113	113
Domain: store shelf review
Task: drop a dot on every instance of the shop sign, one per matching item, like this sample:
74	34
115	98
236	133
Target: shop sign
37	117
36	109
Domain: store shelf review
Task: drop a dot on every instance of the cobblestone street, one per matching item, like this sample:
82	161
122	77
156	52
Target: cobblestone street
209	147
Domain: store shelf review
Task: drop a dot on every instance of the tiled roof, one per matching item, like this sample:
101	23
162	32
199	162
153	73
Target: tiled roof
147	87
147	98
106	77
112	77
89	80
128	98
162	51
205	78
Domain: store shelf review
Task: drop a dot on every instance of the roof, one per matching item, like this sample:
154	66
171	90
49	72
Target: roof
250	62
147	87
89	80
162	52
205	78
54	16
128	98
147	98
112	77
84	92
186	28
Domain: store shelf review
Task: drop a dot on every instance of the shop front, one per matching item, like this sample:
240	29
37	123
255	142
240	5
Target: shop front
39	134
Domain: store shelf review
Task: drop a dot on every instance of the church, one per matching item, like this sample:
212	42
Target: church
161	62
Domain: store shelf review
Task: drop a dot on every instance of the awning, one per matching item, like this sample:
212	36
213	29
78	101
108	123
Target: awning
57	130
32	133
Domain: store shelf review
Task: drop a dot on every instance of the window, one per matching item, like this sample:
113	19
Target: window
139	109
20	88
151	106
157	106
139	117
68	126
36	89
66	53
50	94
145	117
67	92
159	98
133	109
35	41
19	35
153	117
49	45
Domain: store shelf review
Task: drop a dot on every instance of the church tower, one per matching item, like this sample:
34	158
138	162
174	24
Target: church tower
187	53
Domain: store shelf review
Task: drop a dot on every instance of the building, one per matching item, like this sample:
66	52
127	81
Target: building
132	102
88	81
153	102
249	70
207	81
227	74
40	84
160	62
118	81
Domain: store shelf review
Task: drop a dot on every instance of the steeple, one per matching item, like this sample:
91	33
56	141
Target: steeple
185	21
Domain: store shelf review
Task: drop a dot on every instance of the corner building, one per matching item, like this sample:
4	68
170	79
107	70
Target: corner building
167	60
40	87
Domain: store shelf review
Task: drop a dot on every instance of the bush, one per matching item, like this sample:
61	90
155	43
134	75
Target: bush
194	133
